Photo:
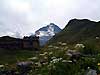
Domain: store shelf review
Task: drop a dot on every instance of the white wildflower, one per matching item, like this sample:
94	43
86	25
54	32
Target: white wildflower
65	48
79	46
60	58
33	58
45	63
38	64
50	46
60	43
56	47
97	37
64	61
56	60
64	44
53	57
42	54
69	61
70	52
50	53
39	74
1	66
45	53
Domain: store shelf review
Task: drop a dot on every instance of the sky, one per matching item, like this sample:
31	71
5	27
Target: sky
24	17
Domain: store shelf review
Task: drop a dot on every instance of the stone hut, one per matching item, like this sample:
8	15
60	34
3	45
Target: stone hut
31	42
7	42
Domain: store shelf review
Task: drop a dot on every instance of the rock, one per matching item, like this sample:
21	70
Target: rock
91	72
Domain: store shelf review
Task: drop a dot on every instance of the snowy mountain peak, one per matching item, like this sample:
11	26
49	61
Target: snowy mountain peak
47	32
51	24
51	30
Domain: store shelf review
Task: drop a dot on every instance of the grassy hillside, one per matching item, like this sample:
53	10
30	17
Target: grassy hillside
79	31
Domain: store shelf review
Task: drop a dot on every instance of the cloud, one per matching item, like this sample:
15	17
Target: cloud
26	16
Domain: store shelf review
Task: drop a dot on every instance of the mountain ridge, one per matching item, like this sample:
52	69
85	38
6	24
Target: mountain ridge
78	31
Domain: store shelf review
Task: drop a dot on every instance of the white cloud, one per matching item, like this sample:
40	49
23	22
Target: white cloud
19	6
26	16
